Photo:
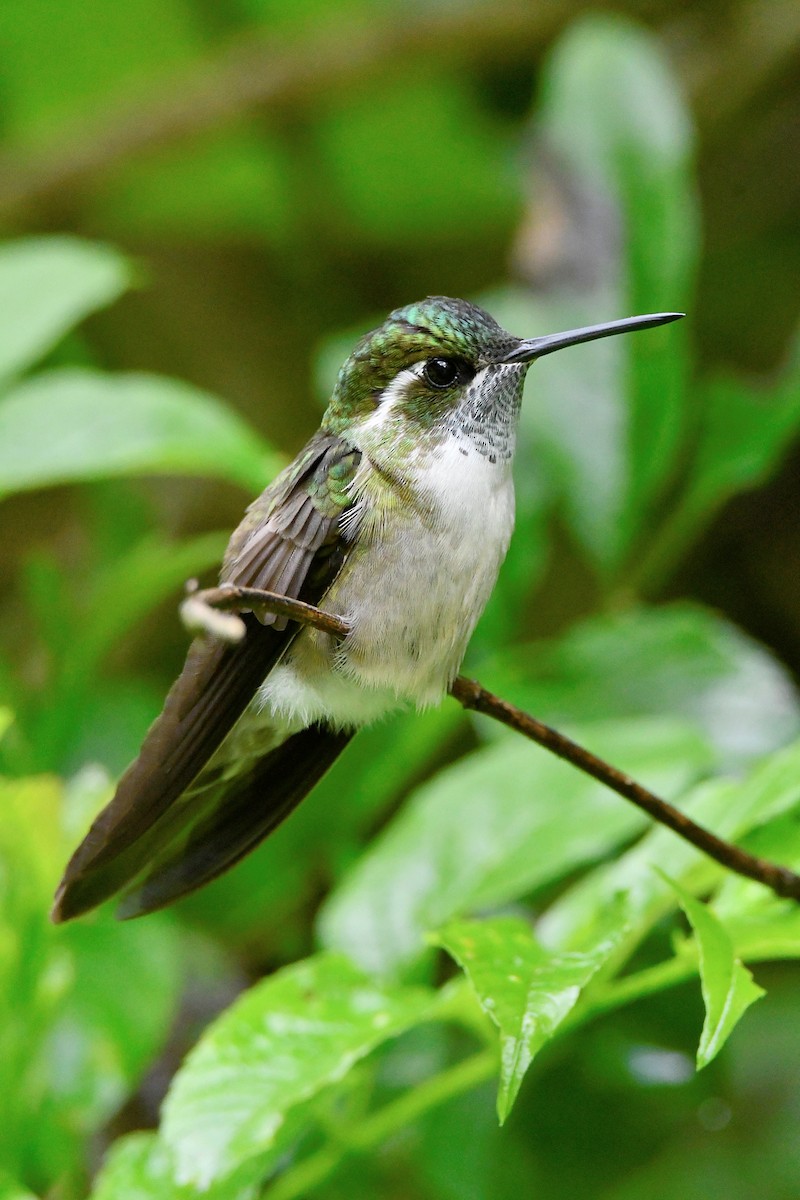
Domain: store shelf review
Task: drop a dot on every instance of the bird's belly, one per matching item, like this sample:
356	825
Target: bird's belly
412	591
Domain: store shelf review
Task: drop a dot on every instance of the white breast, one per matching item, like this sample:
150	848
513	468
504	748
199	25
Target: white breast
412	590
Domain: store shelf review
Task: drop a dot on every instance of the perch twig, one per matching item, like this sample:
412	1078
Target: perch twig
203	610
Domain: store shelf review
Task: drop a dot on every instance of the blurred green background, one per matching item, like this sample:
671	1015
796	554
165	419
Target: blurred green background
202	205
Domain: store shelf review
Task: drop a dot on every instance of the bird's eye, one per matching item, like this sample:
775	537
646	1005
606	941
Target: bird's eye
442	372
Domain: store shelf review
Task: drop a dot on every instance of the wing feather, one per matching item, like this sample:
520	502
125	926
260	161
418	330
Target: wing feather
298	555
242	816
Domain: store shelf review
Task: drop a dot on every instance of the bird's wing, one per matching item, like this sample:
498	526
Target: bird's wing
235	816
289	542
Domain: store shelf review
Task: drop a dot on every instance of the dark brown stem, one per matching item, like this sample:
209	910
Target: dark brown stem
781	880
471	695
242	599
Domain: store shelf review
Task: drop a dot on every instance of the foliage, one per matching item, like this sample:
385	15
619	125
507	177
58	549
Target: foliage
510	905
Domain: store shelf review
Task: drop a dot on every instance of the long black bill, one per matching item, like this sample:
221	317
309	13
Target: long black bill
532	348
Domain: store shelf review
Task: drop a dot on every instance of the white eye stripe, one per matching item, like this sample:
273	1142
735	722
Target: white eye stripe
397	389
391	394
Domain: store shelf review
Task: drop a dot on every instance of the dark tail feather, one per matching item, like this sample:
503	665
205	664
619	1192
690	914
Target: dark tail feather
214	688
252	807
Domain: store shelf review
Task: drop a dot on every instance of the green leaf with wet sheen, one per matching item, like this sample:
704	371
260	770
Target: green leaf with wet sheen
525	989
728	987
613	119
279	1045
496	825
141	1167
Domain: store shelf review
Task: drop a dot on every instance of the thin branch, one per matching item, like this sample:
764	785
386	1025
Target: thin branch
200	611
781	880
471	695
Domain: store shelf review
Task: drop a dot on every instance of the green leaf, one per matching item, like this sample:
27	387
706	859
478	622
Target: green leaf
280	1044
70	425
48	285
11	1190
613	118
524	988
771	931
678	659
761	925
728	987
497	824
125	986
612	105
83	1009
744	427
137	1167
140	1167
573	417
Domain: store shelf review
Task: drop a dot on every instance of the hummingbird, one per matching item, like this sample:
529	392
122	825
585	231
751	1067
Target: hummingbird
395	516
